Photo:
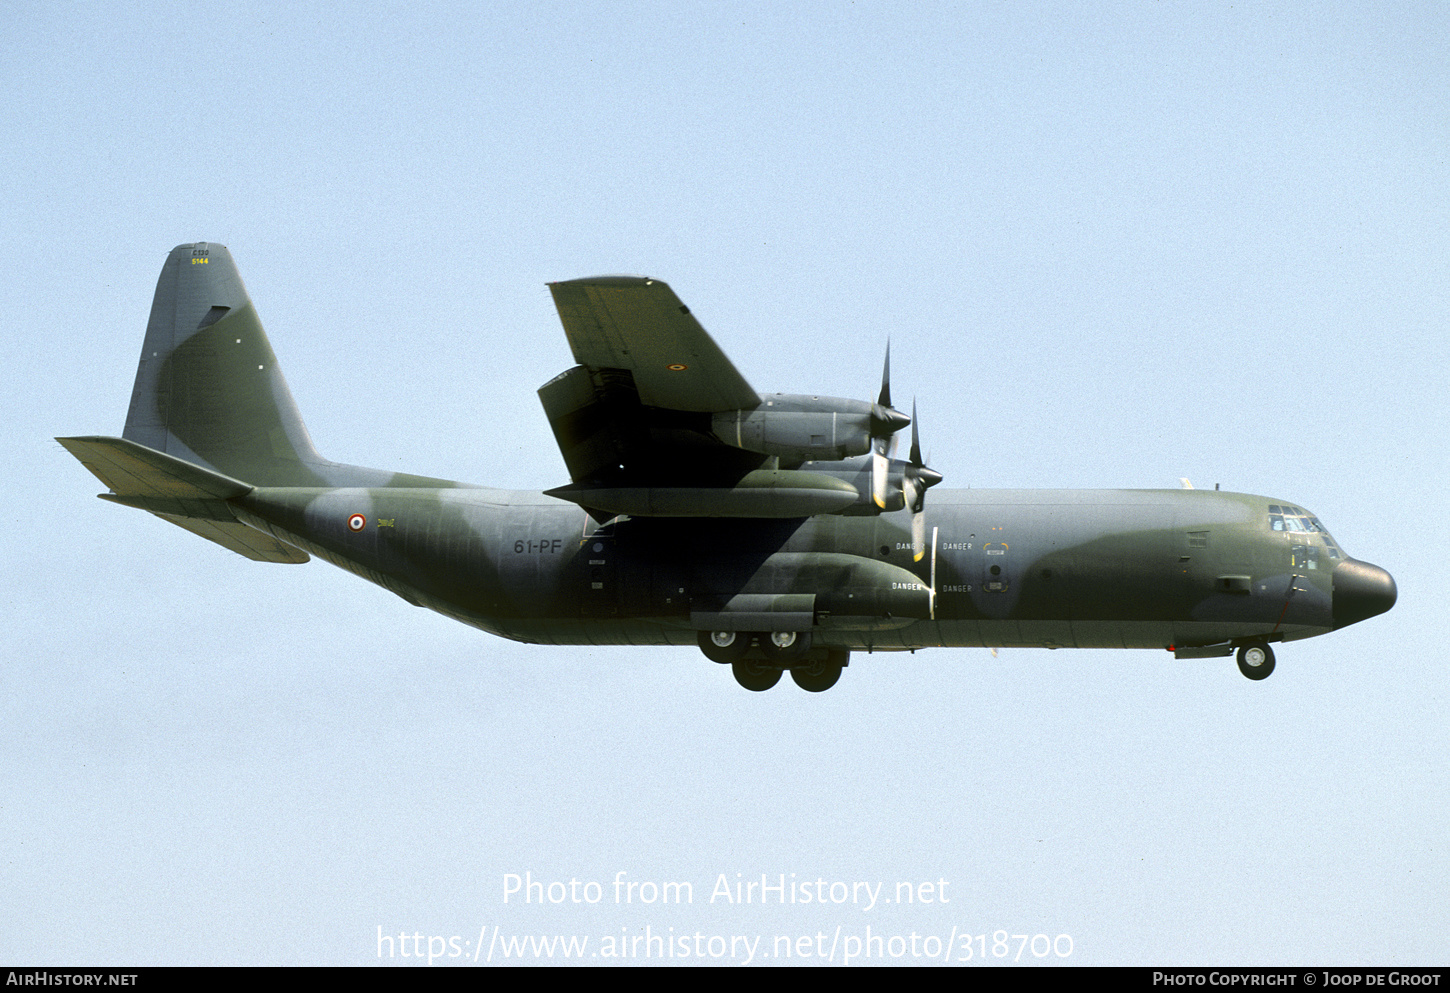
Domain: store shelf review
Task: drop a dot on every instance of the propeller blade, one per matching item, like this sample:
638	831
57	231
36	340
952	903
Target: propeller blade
915	441
919	476
912	490
885	399
880	473
918	536
932	601
916	480
884	420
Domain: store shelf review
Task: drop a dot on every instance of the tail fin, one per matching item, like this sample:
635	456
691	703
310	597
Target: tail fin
208	389
211	417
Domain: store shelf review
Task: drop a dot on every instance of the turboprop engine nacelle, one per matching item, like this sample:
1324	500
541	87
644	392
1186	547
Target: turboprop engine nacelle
806	428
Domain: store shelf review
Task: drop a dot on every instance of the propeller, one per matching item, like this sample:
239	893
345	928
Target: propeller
885	422
915	481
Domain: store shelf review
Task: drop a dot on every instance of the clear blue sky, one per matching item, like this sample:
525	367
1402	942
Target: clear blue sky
1111	244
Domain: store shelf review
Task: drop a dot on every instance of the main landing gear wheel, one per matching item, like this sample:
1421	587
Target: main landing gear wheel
724	647
1256	661
754	676
783	646
817	677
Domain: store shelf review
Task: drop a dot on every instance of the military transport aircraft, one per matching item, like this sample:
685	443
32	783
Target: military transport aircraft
776	532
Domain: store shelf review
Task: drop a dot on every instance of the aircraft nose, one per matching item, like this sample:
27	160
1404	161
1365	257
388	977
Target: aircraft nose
1361	590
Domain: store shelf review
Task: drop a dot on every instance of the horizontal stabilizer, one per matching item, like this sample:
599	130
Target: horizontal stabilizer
187	495
255	545
130	469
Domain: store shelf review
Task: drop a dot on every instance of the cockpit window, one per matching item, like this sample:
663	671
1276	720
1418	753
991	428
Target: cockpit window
1296	520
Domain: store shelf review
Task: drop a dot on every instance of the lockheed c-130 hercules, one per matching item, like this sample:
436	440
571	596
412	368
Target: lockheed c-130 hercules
776	532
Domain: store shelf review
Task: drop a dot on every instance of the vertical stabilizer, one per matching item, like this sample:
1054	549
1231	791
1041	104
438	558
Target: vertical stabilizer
208	389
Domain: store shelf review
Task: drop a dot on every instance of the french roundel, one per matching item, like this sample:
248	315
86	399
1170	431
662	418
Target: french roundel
357	522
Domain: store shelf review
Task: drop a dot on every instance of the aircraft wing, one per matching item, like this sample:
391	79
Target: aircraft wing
638	324
636	409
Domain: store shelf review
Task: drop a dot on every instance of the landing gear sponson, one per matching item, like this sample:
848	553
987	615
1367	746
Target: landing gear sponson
757	658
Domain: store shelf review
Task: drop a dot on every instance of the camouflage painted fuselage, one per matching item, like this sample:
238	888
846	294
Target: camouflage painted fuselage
1074	568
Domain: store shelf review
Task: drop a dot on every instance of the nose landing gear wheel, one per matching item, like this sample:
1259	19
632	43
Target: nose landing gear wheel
754	676
1256	661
